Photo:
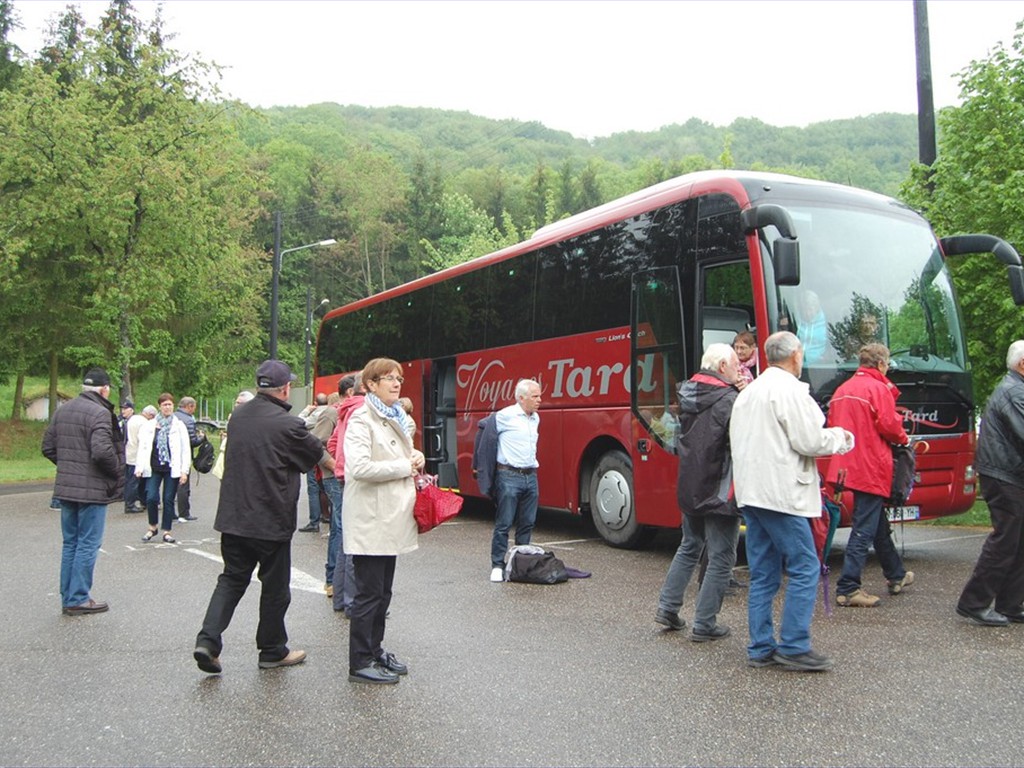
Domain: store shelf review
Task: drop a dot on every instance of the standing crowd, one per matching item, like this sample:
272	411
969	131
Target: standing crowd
748	443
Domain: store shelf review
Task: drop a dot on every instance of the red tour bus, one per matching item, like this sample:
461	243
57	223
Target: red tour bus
611	308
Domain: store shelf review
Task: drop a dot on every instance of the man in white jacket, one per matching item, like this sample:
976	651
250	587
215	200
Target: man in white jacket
776	432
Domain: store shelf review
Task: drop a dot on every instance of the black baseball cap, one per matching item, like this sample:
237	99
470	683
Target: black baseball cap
272	374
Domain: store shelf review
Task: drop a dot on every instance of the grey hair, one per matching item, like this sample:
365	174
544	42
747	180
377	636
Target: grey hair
714	355
1014	355
780	346
149	410
245	396
321	398
90	388
523	388
185	402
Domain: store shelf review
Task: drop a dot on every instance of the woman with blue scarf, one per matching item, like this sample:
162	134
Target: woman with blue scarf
377	520
165	440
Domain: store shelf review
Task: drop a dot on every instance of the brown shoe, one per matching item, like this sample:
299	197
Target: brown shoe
293	658
90	606
858	599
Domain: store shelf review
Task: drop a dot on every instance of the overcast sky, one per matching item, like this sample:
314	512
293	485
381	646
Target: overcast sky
590	67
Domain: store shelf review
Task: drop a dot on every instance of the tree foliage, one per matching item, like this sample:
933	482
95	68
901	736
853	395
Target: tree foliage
977	185
126	203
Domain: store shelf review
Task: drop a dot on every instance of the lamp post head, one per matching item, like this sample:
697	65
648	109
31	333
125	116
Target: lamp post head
328	241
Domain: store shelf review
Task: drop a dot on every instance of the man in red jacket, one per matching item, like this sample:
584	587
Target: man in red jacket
866	406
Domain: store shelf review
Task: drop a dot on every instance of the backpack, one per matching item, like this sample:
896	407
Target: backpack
904	466
530	564
205	456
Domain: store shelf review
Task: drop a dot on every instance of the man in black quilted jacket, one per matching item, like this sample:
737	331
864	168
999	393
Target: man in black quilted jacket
85	442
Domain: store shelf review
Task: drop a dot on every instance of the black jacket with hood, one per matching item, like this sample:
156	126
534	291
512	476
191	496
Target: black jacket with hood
705	463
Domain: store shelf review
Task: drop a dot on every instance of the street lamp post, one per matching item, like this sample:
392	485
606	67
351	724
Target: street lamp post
275	280
309	331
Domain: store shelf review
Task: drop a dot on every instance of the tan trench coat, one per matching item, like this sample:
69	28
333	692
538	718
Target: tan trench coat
379	487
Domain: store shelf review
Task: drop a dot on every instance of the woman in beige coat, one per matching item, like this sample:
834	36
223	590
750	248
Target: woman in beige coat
378	524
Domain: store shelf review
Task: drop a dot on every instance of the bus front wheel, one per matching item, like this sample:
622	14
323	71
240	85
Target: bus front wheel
612	504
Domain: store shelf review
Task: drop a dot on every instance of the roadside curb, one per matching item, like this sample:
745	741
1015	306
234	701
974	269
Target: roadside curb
10	489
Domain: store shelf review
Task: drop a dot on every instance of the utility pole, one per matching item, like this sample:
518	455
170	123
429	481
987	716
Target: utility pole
275	278
925	99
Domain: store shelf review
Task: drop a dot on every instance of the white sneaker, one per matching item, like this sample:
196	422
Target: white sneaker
497	574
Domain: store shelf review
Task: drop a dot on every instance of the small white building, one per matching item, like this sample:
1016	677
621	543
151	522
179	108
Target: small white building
37	408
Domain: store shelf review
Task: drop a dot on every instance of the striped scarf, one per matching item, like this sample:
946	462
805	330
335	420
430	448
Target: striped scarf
163	430
388	411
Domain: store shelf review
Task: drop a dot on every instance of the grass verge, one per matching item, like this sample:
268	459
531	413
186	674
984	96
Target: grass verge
20	457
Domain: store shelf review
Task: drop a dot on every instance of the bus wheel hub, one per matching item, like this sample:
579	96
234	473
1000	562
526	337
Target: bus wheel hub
613	500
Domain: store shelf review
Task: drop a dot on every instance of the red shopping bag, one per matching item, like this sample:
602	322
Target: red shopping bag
433	505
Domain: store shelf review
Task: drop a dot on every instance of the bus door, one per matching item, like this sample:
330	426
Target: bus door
439	437
657	366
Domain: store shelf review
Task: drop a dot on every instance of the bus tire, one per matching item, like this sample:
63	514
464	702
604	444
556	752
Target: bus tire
612	502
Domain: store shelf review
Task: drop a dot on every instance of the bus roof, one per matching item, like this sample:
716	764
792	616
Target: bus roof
743	185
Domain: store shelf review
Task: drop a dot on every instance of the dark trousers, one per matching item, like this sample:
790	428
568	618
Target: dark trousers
374	577
999	572
131	486
241	556
185	498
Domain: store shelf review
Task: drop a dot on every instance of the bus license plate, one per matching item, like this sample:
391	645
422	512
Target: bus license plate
895	514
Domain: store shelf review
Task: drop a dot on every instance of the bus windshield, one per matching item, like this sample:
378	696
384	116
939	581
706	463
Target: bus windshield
870	275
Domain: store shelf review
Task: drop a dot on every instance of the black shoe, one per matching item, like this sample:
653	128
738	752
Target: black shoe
1015	617
984	617
804	662
390	662
668	619
206	660
717	632
310	528
374	674
762	661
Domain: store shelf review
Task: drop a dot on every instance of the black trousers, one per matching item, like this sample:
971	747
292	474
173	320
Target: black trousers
374	576
241	556
999	572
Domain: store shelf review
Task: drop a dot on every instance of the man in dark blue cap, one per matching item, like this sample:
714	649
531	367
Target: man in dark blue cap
85	442
270	450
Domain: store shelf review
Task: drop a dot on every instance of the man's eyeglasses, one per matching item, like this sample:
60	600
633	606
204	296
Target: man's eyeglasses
391	377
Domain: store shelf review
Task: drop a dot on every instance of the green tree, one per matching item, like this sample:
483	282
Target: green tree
122	177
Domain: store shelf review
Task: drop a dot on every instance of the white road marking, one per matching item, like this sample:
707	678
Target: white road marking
300	579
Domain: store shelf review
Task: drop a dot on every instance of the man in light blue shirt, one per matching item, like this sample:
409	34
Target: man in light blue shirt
516	480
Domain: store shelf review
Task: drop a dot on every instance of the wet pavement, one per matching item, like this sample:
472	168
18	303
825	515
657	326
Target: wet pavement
576	674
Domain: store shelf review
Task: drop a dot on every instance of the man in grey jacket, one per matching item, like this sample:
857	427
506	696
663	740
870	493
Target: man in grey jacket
86	443
994	595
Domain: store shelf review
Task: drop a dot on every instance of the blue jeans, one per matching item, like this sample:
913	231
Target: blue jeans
776	541
82	528
153	498
313	490
870	526
341	579
720	533
517	505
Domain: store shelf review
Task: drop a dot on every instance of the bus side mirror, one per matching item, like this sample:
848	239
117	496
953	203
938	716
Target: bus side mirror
1016	275
786	256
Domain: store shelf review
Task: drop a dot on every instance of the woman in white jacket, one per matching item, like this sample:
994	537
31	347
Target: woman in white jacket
165	457
378	525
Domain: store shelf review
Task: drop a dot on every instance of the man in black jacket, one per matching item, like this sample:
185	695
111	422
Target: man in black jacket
259	493
999	574
705	496
86	443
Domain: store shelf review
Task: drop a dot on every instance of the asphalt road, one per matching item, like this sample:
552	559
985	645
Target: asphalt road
576	674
